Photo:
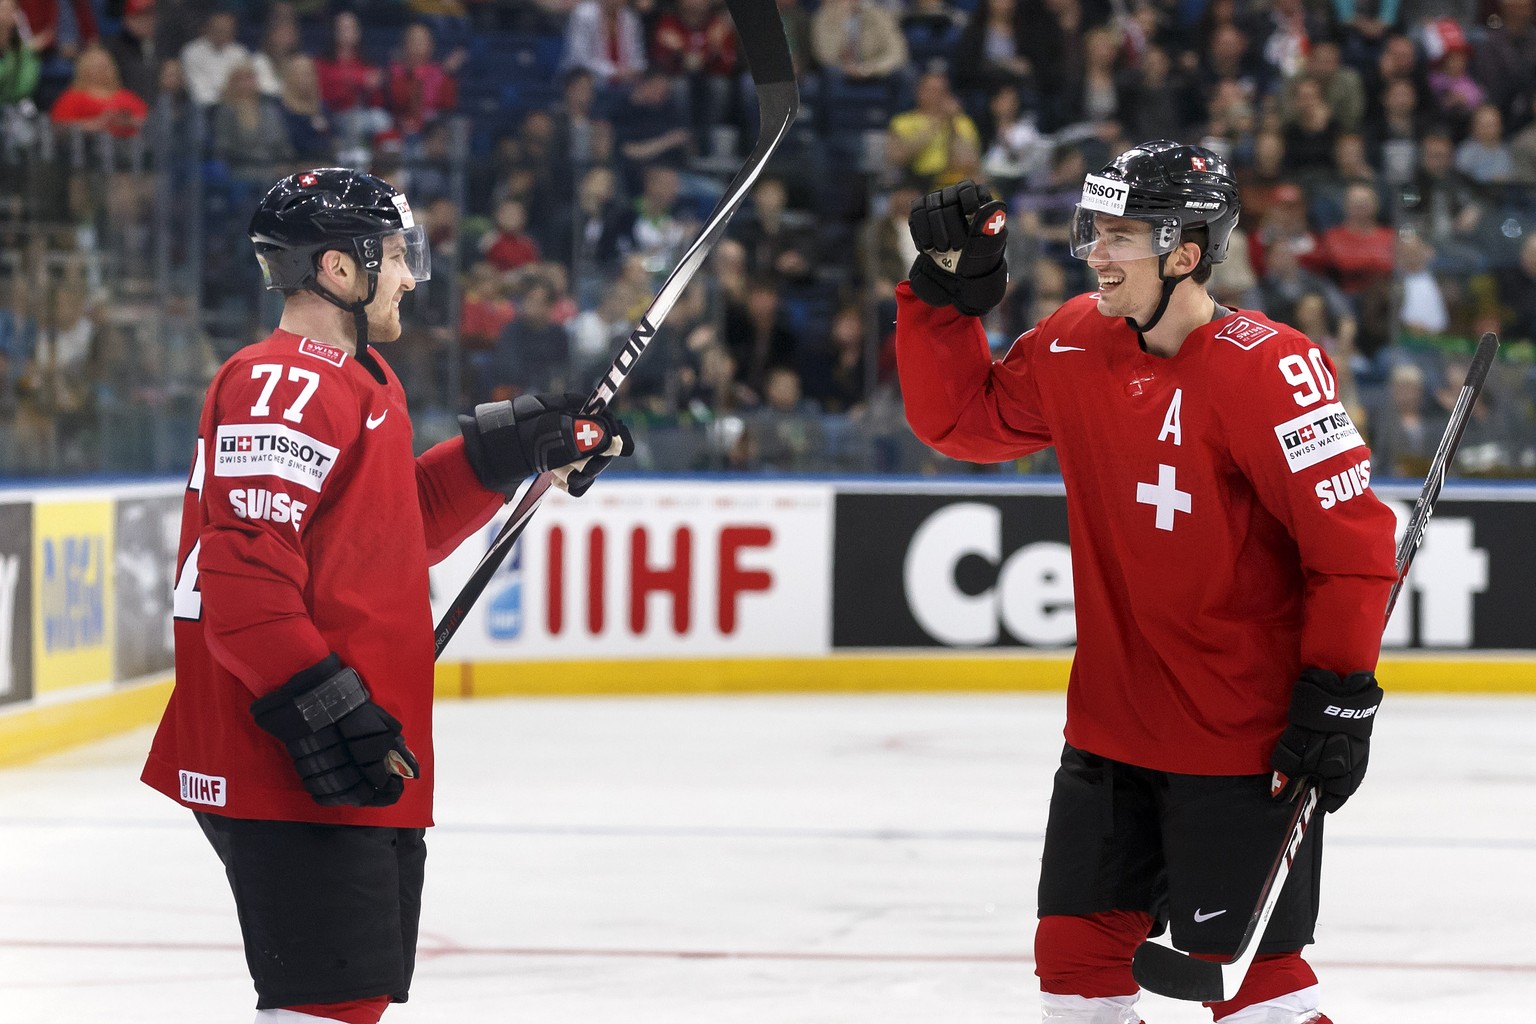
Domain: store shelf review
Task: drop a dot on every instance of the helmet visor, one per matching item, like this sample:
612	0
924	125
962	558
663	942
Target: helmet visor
417	251
1122	238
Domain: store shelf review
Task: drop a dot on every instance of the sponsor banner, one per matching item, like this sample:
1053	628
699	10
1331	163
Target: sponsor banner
1316	436
72	619
15	602
1104	195
144	572
992	569
664	570
943	570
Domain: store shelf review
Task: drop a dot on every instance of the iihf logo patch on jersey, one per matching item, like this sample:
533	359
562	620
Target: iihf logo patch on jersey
589	435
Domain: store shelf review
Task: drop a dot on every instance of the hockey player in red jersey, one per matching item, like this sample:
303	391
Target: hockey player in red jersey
299	728
1229	606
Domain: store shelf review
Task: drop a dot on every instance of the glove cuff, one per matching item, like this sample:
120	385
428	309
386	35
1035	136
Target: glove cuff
313	699
1323	702
493	448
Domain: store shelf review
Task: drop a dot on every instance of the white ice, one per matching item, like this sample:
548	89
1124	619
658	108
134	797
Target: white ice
763	860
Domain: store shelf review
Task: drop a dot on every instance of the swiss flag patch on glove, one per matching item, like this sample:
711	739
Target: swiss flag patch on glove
590	436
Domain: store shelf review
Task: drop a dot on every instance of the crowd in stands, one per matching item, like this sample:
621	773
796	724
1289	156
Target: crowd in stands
565	152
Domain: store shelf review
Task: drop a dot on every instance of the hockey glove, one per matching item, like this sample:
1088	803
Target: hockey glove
961	232
347	750
508	441
1329	738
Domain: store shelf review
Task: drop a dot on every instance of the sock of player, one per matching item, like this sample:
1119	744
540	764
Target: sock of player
353	1011
1298	1007
1085	1010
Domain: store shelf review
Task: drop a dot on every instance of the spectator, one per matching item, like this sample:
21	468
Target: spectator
596	334
651	228
1505	61
990	51
1453	92
1349	167
1310	130
207	60
1358	253
1403	434
1286	224
418	88
589	246
1231	123
533	350
1422	310
1392	140
1228	61
44	23
1282	38
1442	206
1014	151
249	133
1053	45
1096	95
756	336
1262	177
1363	25
1315	318
304	115
510	246
695	42
582	138
1517	292
858	40
833	371
20	66
1044	214
884	245
1341	88
786	429
1158	101
1280	291
351	88
935	142
279	42
606	38
780	243
132	48
1483	156
96	99
484	310
649	128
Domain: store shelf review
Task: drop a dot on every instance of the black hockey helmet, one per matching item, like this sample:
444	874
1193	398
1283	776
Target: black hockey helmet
314	211
1173	187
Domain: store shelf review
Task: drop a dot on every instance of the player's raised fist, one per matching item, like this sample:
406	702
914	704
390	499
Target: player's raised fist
961	232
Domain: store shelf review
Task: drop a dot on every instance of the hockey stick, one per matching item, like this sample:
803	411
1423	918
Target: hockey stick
1166	971
763	42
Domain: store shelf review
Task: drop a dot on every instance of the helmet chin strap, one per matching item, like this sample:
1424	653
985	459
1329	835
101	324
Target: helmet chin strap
359	309
1169	284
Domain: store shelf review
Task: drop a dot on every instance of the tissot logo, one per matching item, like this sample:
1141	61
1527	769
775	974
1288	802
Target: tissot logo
269	449
1104	195
1314	436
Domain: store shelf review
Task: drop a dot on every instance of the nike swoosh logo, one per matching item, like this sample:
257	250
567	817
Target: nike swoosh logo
1202	918
375	421
1057	346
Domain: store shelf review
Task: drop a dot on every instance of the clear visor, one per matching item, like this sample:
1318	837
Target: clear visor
417	251
1120	239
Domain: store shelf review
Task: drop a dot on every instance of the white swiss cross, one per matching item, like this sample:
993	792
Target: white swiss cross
307	180
1167	498
994	225
1197	162
587	436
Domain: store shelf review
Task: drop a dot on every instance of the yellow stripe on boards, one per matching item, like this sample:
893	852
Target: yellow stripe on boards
31	732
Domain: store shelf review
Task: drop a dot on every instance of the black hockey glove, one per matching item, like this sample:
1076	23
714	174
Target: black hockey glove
961	232
348	751
1329	738
508	441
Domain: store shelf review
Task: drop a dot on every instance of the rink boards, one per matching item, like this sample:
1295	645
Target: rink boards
675	585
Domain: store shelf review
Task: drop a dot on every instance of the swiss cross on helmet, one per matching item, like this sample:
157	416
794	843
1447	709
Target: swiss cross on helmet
327	208
1174	187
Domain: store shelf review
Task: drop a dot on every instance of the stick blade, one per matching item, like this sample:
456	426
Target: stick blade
1166	971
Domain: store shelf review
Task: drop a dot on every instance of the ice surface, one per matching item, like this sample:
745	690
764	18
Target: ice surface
762	860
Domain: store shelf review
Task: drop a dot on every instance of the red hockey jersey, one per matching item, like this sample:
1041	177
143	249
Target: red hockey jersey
307	527
1223	536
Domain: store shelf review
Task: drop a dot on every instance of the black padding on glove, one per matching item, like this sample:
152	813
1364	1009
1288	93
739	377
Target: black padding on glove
1329	738
347	750
508	441
962	219
581	479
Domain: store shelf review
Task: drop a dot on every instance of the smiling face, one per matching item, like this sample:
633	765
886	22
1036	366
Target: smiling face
1124	257
394	281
